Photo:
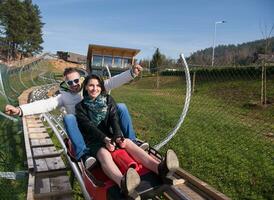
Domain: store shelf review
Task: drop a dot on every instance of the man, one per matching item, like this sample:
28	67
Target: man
70	95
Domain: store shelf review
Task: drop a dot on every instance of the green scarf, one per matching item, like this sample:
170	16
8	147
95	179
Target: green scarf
97	108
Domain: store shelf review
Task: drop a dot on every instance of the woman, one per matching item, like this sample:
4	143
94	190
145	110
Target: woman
98	121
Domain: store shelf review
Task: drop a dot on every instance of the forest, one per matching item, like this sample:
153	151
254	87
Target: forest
235	55
245	54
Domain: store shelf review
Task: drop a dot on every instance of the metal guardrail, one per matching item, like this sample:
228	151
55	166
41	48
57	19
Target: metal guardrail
60	133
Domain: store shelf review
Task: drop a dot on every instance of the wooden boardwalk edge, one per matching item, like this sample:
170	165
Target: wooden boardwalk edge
48	178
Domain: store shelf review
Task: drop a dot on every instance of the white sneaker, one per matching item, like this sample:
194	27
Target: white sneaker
172	161
144	146
89	162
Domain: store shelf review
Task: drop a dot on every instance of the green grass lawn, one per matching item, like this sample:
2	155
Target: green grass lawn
222	141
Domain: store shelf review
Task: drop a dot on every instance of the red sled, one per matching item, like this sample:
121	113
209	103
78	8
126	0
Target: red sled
100	187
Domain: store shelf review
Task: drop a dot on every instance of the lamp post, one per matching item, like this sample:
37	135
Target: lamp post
213	48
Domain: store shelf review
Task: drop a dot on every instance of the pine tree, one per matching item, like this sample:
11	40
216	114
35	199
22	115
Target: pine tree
22	28
14	21
156	62
34	26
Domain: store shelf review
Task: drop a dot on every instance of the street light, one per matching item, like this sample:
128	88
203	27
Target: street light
213	48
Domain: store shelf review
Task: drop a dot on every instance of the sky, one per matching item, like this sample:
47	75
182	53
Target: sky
173	26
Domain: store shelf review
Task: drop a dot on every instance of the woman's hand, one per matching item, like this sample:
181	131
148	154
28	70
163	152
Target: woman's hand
121	142
109	145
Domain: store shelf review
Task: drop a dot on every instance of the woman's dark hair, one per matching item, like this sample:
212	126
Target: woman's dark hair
93	76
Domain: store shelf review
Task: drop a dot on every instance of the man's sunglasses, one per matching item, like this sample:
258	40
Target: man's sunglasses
70	82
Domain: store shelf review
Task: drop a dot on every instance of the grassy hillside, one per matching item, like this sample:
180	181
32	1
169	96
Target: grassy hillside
222	141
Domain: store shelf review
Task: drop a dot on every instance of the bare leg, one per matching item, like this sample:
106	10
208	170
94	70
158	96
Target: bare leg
108	166
141	156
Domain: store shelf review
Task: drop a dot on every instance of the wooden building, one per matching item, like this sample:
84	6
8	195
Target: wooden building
72	57
116	58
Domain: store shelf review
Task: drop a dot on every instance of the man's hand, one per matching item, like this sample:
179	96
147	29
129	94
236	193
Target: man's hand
121	142
11	110
137	69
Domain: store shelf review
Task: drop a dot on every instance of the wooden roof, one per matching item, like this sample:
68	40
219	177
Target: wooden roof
94	49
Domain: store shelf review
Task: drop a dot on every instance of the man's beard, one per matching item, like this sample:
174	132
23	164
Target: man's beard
76	89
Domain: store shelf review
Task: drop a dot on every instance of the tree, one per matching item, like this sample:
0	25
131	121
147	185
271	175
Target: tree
22	28
232	55
34	38
156	62
13	19
267	50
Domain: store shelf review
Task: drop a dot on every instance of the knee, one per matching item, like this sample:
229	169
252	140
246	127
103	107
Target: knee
69	117
121	107
69	121
103	155
128	142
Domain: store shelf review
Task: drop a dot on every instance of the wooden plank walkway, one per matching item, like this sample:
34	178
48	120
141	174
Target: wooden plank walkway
48	177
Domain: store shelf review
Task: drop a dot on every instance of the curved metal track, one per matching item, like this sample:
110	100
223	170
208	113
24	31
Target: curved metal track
185	109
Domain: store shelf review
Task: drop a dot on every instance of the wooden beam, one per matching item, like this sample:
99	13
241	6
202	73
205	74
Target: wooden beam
27	145
213	193
45	142
30	187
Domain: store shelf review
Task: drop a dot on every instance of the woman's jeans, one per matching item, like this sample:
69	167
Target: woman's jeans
76	137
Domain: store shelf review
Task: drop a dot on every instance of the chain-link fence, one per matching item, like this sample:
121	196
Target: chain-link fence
13	167
226	138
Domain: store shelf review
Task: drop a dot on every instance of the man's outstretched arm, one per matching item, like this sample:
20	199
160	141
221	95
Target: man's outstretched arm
125	77
36	107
